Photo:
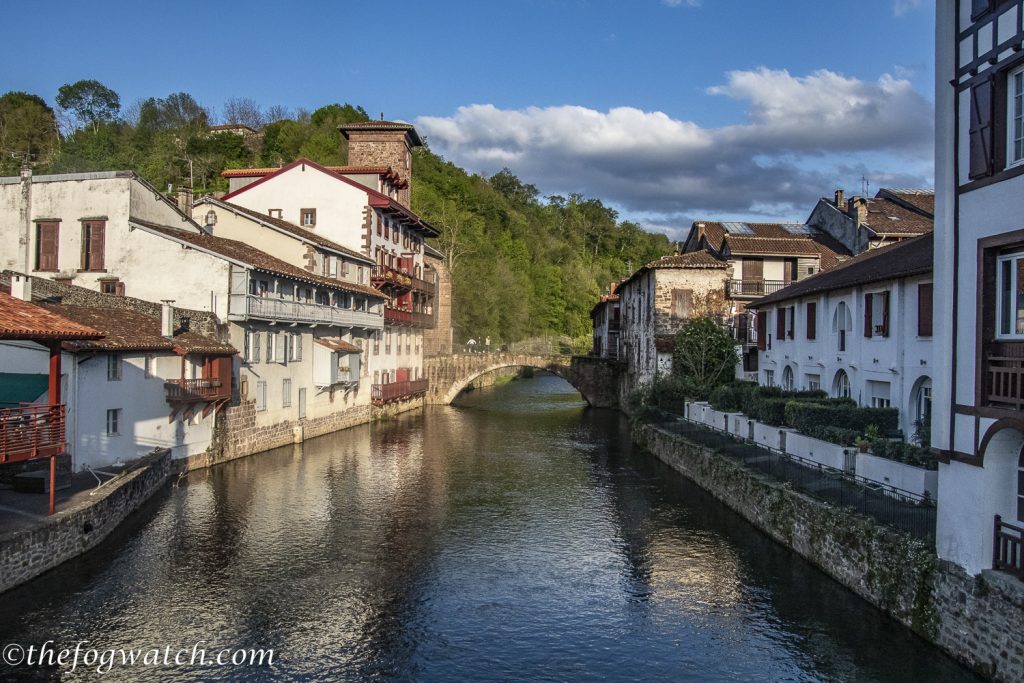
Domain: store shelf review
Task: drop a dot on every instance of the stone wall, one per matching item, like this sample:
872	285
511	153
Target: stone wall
28	553
437	341
976	619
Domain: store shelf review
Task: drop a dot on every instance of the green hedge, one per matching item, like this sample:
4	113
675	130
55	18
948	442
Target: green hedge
838	435
904	452
808	416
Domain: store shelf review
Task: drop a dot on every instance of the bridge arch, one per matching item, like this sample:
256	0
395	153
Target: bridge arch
460	385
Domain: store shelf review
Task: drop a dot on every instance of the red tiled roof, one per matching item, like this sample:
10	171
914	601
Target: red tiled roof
291	228
336	344
693	259
23	320
127	330
829	251
389	173
886	217
923	200
255	258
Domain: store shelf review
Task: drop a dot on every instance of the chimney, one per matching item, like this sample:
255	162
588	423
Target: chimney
857	209
611	288
840	200
167	318
700	232
21	287
185	201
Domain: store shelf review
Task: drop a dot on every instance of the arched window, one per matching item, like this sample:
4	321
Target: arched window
842	324
923	399
787	379
841	385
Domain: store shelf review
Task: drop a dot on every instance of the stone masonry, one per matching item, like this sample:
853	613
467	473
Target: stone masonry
975	619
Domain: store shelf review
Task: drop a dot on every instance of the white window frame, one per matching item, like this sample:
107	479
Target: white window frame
1014	96
844	388
114	369
261	395
769	378
788	382
113	422
1001	260
286	393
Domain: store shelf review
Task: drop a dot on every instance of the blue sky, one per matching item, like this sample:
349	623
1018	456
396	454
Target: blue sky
667	109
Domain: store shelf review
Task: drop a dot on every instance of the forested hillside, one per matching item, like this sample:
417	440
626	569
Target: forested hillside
522	264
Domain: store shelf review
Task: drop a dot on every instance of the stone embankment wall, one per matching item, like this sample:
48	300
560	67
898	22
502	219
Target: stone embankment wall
976	619
27	553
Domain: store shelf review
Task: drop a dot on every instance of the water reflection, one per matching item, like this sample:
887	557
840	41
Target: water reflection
517	536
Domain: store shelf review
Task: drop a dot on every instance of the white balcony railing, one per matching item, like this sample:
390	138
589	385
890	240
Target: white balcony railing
248	306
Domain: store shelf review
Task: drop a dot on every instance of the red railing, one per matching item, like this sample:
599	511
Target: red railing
1004	381
1006	548
397	316
385	275
31	430
197	390
397	391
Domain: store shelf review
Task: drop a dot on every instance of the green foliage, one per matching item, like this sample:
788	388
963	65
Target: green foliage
906	453
731	398
28	130
806	416
91	102
833	434
705	355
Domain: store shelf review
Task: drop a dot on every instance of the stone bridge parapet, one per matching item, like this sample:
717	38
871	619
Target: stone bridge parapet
595	378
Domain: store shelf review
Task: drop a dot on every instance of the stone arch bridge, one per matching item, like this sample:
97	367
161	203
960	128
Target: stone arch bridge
597	379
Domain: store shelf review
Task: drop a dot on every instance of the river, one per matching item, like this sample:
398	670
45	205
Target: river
517	536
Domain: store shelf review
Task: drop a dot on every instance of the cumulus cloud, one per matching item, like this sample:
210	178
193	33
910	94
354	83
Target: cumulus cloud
801	136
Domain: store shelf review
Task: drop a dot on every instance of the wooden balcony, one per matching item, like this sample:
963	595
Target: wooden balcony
1004	381
31	430
752	289
398	391
249	306
197	390
1006	548
396	316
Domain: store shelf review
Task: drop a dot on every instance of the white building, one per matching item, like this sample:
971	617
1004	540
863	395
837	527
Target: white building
657	300
147	383
977	426
862	330
862	223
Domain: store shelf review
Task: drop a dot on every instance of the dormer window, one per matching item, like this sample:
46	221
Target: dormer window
275	213
308	217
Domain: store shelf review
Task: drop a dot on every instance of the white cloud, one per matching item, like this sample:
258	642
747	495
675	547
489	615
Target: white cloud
901	7
681	3
801	136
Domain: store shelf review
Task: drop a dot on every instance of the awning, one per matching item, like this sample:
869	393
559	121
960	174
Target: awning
336	344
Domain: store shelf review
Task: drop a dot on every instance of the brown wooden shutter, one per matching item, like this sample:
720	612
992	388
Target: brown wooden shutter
867	315
93	245
780	323
762	330
885	313
47	240
924	309
682	303
812	320
981	133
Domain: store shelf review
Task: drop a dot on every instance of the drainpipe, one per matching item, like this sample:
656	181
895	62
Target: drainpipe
26	217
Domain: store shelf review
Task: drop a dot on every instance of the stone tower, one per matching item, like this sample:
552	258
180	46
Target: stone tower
383	143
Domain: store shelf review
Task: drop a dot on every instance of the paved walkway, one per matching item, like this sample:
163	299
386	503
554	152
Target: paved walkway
19	510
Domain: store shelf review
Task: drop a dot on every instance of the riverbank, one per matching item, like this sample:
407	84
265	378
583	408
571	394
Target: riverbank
33	549
975	619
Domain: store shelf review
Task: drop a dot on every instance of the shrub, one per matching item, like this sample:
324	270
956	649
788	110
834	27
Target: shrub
804	416
731	398
771	411
904	452
705	355
838	435
669	393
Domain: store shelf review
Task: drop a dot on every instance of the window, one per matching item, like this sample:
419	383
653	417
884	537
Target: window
1009	295
790	328
841	385
113	422
876	314
115	287
813	382
362	275
924	309
923	400
787	379
295	347
812	320
308	218
842	324
880	394
376	343
114	367
1015	117
93	247
286	393
769	378
253	351
277	348
780	323
275	213
302	403
47	241
682	303
261	395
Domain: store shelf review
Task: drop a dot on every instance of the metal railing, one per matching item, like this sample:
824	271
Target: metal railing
31	430
397	391
269	308
1006	548
1005	381
892	506
754	287
196	390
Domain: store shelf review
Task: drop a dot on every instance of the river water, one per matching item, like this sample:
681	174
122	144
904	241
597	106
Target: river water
517	537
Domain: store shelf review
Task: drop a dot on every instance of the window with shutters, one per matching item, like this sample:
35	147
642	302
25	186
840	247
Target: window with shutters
980	132
295	349
112	286
93	245
286	393
1015	117
812	320
762	330
682	303
791	322
47	244
842	324
780	323
261	395
924	309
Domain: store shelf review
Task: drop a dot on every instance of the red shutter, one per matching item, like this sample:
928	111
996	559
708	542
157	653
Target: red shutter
47	239
762	330
812	320
982	139
885	313
867	315
924	309
780	323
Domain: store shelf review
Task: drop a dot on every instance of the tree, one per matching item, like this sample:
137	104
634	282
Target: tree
28	131
334	115
244	111
505	182
91	102
705	356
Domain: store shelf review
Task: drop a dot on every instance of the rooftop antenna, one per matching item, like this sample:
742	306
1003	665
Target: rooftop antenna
382	116
865	185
